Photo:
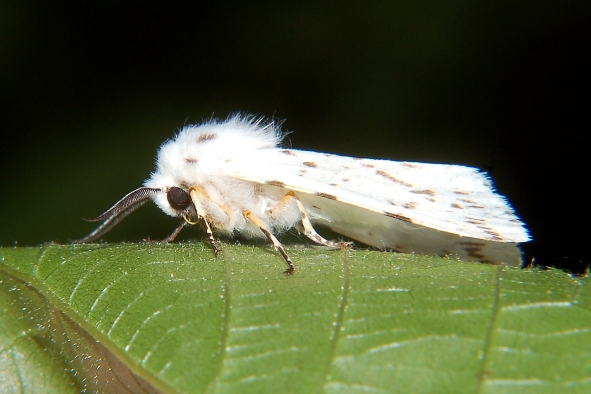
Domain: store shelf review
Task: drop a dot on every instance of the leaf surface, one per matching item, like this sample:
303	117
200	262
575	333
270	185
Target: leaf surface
172	318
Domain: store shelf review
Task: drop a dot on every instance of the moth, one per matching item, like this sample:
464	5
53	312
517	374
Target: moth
234	177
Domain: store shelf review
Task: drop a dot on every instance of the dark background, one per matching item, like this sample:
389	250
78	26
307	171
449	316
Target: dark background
89	91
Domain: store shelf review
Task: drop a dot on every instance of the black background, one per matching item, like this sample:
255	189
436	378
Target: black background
89	91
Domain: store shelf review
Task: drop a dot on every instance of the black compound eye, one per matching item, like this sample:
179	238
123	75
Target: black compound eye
178	198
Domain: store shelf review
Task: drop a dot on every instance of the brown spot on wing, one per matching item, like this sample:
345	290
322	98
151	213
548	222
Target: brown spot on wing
333	184
474	252
457	206
288	152
472	243
367	165
410	205
206	137
392	178
399	217
190	160
494	235
427	192
329	196
275	183
461	193
310	164
474	249
409	165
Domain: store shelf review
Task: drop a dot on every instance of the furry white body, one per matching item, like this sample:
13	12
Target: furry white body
237	166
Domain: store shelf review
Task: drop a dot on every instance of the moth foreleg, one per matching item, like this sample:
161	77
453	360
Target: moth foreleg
201	215
210	236
249	216
307	225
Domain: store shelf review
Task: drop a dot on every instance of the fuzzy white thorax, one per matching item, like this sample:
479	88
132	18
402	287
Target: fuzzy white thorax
196	158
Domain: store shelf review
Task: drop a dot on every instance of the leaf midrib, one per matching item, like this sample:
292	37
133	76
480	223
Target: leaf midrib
335	336
490	332
225	324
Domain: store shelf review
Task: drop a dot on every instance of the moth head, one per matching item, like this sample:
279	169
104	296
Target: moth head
174	201
178	199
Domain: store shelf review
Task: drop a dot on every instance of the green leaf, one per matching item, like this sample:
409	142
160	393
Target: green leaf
173	318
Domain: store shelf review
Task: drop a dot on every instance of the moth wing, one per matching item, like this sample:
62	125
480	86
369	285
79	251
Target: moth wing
389	204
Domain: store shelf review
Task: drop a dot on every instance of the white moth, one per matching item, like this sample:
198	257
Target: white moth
233	177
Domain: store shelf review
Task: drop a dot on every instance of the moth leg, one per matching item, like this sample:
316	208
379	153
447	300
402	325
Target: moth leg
171	237
249	216
210	236
201	215
308	228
